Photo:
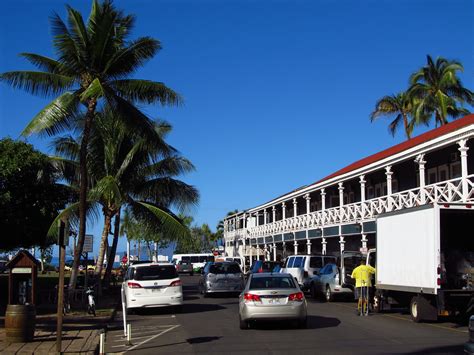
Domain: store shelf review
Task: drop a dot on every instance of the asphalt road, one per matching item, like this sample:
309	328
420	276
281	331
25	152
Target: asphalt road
210	325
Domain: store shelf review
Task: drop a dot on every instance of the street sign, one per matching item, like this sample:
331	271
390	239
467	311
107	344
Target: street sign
88	244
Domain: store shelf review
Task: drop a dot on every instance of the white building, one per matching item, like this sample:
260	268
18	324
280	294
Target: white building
338	212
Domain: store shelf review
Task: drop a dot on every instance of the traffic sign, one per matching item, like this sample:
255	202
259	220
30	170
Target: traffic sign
88	244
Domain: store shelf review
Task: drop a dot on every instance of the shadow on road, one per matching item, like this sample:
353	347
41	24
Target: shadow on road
452	349
201	307
314	322
200	340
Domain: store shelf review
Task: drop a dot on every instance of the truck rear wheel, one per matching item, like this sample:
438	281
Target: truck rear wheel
416	309
422	309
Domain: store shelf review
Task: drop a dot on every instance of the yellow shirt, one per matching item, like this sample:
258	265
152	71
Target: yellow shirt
362	274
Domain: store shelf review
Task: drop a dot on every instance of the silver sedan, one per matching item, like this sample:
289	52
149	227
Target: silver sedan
272	296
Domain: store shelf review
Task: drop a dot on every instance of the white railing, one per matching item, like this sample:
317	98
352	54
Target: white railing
450	191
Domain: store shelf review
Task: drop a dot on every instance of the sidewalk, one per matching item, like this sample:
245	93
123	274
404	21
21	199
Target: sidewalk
80	336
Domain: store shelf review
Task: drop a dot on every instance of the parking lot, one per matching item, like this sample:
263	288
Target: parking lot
210	325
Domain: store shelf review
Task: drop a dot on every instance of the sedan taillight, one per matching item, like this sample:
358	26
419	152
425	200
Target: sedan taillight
134	285
248	297
176	283
298	297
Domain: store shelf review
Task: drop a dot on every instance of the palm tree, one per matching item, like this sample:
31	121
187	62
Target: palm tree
95	60
399	107
439	91
126	171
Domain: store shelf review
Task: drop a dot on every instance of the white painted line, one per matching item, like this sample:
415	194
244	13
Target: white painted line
153	337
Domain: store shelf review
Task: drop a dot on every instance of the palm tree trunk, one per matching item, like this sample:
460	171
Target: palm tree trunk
113	250
103	245
150	256
139	250
82	192
405	123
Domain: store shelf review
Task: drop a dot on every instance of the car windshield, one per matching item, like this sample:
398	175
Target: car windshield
224	268
271	282
155	272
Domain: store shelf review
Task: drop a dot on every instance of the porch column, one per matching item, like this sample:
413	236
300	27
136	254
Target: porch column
284	249
296	247
283	210
421	165
341	201
250	252
463	148
341	243
308	246
265	216
323	246
389	173
258	252
364	241
244	221
265	252
323	200
308	203
362	187
256	219
273	213
274	252
295	207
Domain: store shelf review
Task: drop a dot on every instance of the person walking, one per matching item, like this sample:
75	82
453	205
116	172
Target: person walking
363	276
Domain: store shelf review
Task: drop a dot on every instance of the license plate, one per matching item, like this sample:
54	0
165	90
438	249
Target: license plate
274	301
156	290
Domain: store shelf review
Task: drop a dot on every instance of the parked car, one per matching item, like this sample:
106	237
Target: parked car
152	285
302	267
185	267
265	266
272	296
221	277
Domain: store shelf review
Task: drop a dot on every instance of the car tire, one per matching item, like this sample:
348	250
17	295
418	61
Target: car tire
417	309
243	324
328	295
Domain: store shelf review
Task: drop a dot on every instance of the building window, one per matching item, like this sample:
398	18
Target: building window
455	170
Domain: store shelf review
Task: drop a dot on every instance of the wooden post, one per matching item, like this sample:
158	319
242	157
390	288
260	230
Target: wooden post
62	250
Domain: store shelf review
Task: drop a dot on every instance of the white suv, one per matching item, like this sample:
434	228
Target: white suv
152	285
303	267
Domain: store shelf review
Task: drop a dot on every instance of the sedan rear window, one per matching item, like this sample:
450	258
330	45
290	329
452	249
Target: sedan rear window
261	283
155	272
224	268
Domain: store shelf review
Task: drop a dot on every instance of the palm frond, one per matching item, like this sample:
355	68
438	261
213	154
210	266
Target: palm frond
43	63
146	91
38	83
55	116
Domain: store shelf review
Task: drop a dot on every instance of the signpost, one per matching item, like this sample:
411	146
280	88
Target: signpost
63	230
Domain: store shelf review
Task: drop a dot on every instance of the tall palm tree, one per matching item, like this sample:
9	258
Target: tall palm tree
439	90
399	107
95	60
125	170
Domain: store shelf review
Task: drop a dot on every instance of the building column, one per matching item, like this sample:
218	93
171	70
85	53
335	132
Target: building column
295	207
284	249
274	252
323	246
463	148
250	252
296	247
364	241
265	216
308	246
341	243
283	210
274	213
323	199
362	187
308	203
258	252
389	173
265	252
341	200
421	166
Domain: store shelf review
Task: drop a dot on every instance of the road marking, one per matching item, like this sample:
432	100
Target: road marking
151	338
409	320
151	328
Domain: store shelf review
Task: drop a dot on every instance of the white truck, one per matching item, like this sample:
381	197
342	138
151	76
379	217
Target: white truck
425	260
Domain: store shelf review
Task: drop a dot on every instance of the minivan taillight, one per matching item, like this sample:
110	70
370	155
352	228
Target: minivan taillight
134	285
298	297
175	283
249	297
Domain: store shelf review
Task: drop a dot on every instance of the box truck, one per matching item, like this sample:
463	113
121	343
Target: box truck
425	260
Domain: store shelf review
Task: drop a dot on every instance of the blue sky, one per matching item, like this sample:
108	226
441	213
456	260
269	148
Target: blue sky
277	93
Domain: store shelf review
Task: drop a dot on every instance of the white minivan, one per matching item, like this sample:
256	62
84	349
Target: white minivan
303	267
152	285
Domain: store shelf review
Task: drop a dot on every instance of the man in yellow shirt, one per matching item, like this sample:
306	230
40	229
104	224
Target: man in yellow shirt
363	276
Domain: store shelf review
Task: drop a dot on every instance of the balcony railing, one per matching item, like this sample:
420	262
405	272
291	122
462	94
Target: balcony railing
450	191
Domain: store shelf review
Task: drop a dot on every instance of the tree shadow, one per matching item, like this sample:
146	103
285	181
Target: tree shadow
200	340
449	349
201	307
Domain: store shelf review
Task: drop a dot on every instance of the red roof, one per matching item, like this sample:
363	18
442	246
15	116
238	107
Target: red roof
422	138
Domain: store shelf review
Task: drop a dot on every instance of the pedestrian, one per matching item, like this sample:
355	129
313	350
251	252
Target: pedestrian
363	276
